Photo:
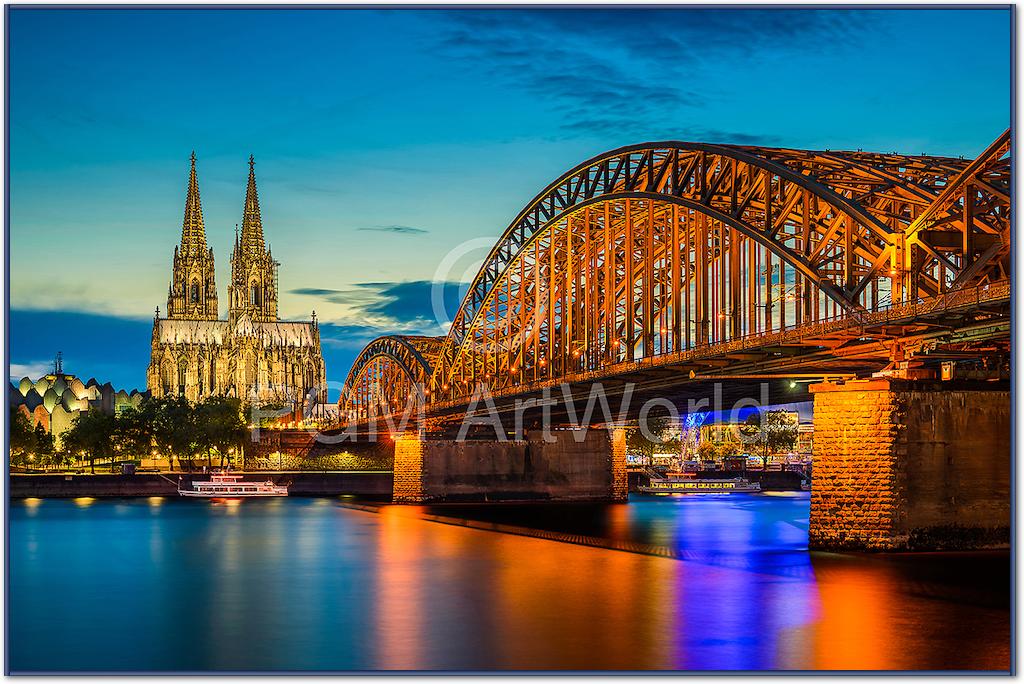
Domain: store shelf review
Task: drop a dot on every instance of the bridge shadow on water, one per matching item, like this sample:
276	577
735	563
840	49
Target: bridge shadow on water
764	534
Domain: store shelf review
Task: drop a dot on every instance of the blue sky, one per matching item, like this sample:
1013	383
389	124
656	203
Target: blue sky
384	139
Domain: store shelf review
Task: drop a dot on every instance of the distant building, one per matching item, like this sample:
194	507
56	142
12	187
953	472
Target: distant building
55	400
253	355
722	429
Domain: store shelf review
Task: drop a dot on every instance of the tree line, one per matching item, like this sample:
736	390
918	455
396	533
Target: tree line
171	426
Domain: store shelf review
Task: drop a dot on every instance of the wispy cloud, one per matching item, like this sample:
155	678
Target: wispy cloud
371	309
32	370
401	230
643	73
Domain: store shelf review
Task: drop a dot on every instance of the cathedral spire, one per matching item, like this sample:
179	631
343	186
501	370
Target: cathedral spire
192	292
253	288
252	224
193	232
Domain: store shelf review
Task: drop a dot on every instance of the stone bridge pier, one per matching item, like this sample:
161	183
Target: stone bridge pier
910	465
571	465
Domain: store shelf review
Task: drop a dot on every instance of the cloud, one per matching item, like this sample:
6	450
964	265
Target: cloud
401	230
639	73
33	370
347	337
371	309
418	301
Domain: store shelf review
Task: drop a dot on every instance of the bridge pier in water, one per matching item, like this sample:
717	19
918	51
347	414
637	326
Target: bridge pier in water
910	465
570	466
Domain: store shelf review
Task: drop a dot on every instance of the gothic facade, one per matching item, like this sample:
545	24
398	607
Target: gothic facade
252	355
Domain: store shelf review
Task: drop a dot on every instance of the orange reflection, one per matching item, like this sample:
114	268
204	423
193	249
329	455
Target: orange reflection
574	607
619	517
879	614
399	616
853	632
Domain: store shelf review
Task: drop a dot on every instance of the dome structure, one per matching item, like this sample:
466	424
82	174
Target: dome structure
78	388
33	399
55	400
50	399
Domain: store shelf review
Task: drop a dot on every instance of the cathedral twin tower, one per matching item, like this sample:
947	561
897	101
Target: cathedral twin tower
253	355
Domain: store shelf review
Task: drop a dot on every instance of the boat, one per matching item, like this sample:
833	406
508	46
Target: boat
678	485
231	485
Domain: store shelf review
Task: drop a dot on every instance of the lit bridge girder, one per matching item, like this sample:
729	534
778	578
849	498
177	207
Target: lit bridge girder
664	248
388	375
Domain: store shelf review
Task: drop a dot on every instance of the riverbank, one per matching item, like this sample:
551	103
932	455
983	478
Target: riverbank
770	480
369	484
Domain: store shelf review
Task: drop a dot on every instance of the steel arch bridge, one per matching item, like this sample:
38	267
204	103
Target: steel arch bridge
660	249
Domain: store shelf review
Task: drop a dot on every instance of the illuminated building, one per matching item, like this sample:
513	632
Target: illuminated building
55	400
253	355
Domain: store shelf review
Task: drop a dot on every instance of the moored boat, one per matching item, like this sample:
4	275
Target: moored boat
678	485
231	485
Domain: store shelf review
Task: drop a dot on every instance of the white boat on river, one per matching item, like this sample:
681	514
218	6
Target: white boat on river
231	485
682	485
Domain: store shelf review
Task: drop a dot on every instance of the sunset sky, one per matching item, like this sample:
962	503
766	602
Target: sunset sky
386	139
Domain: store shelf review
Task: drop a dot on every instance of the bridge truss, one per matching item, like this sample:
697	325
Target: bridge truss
662	249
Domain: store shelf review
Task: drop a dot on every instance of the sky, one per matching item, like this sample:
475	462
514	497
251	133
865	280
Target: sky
393	147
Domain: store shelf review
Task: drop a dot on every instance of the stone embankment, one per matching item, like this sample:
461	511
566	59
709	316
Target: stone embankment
374	485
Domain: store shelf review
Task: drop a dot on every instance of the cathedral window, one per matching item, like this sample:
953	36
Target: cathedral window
194	293
254	295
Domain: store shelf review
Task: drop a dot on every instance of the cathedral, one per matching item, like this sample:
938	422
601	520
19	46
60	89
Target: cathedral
253	355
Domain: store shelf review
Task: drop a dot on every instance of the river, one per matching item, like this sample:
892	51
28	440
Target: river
317	584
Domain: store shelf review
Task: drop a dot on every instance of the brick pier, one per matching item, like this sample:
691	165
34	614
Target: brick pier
902	464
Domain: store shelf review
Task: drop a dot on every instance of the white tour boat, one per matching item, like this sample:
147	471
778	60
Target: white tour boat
231	485
680	485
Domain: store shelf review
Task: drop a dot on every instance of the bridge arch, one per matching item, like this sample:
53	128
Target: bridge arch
388	372
662	247
811	235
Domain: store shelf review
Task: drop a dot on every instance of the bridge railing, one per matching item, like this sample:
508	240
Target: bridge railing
880	315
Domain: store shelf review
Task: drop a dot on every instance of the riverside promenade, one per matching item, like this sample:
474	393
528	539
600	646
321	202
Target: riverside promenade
368	484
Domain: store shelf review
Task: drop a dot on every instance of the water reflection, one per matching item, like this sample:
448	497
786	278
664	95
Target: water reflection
301	584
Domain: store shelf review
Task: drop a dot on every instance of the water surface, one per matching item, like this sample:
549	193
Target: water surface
311	584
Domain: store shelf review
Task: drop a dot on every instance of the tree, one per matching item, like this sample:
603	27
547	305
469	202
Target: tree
707	451
222	424
640	443
58	458
22	438
176	429
92	436
134	430
728	450
43	447
770	432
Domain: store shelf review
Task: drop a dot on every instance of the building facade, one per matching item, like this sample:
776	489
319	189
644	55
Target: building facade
252	355
55	400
